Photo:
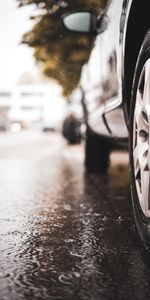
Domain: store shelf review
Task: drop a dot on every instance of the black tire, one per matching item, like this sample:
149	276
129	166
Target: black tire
71	130
97	150
142	220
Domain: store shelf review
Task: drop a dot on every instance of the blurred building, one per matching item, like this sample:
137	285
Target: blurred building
34	105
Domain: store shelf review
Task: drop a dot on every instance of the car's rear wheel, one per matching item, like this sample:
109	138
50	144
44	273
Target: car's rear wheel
97	150
140	142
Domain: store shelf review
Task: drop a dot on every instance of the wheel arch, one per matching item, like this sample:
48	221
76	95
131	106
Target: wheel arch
138	24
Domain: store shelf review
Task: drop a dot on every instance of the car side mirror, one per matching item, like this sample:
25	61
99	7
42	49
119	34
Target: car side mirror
81	21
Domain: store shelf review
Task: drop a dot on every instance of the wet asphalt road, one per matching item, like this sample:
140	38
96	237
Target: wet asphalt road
64	234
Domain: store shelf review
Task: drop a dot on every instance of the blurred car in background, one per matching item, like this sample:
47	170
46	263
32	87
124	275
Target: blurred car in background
73	124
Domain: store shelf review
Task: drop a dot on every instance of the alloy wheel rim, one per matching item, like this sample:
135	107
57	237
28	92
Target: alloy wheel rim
141	140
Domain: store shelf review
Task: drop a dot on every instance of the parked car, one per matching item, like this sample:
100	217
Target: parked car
72	127
121	110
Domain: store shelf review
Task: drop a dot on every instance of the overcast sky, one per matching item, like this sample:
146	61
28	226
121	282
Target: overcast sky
14	58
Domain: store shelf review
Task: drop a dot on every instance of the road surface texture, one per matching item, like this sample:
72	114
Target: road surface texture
65	234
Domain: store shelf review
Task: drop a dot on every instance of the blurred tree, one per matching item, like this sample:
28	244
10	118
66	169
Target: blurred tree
61	54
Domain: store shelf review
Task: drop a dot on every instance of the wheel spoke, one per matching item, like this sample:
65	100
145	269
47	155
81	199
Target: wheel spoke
136	162
141	114
143	125
146	91
140	152
145	190
138	106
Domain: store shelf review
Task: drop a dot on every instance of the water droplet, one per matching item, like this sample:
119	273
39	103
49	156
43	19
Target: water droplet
76	254
65	278
67	207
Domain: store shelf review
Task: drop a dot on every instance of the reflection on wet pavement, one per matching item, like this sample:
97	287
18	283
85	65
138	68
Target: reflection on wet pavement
65	234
